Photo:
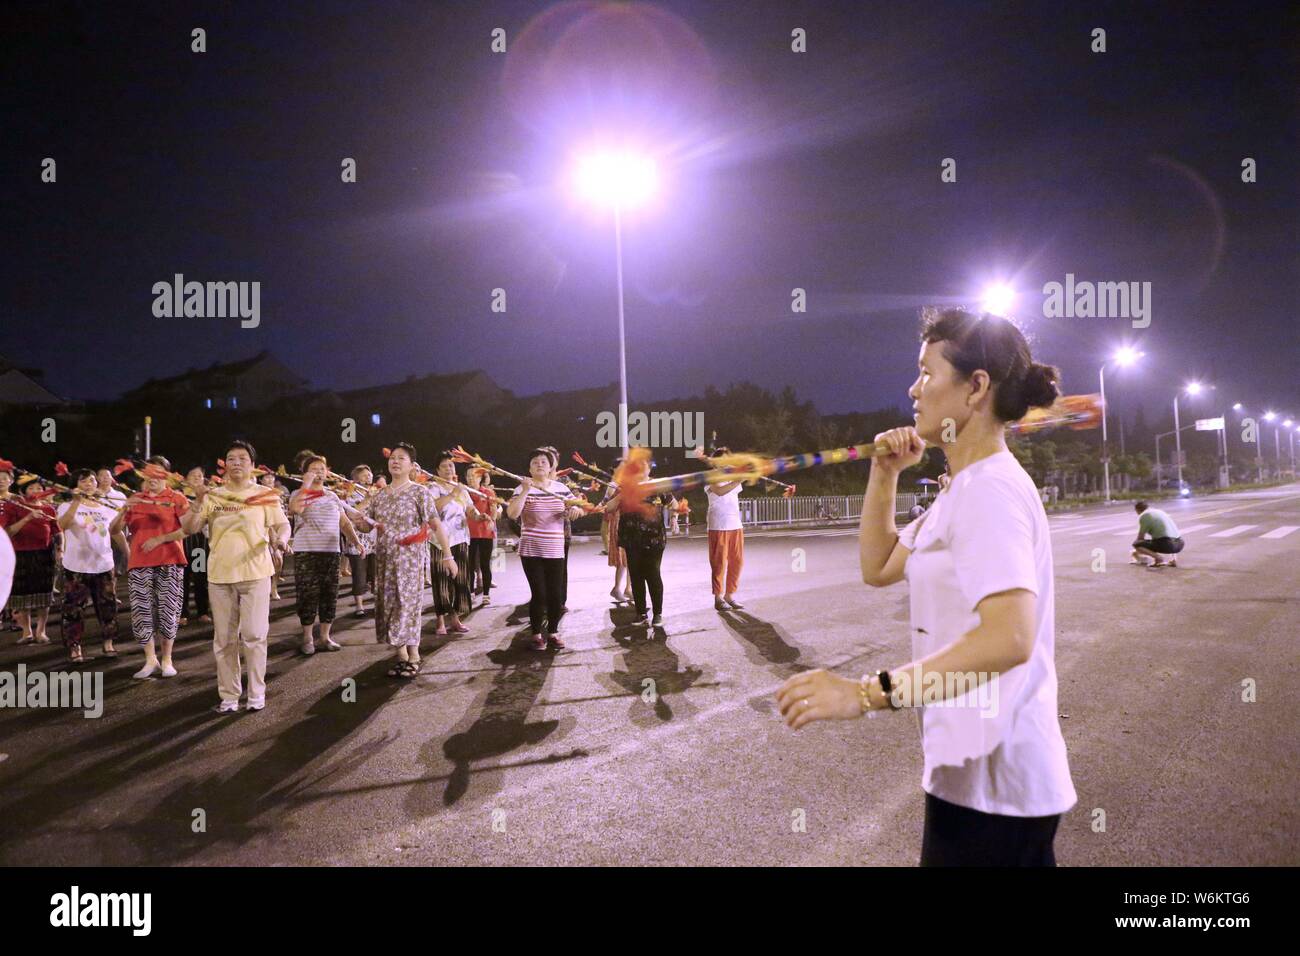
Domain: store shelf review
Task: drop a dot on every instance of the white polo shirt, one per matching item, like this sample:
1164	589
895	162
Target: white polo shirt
999	750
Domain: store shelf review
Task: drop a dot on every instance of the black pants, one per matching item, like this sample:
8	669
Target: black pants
480	561
564	580
546	581
196	582
959	836
363	572
316	576
643	569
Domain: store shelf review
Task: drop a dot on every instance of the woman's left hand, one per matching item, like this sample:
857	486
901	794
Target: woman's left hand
818	695
151	544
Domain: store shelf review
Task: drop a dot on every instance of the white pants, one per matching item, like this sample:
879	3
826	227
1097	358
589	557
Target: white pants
240	615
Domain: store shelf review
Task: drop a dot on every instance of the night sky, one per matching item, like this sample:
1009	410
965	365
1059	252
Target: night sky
780	170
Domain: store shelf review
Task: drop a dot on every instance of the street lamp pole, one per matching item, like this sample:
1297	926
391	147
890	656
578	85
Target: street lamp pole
1105	452
1178	445
622	341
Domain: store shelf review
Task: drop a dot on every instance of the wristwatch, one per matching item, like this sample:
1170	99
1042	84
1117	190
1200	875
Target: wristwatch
887	685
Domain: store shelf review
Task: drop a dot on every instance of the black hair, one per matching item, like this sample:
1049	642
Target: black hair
159	460
407	447
246	446
192	467
357	468
80	473
308	458
993	343
547	450
1139	506
442	456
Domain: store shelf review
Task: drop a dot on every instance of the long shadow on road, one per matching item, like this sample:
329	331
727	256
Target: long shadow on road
647	657
244	804
764	639
494	726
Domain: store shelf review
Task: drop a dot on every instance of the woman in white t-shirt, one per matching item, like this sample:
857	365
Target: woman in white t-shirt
88	565
979	569
726	539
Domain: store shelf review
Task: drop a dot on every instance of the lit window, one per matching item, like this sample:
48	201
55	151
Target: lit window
374	418
207	403
234	402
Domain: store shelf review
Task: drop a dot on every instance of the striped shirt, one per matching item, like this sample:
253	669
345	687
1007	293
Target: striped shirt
542	523
317	528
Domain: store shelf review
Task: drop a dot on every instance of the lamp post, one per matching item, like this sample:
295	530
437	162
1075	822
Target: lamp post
618	180
1192	388
1122	357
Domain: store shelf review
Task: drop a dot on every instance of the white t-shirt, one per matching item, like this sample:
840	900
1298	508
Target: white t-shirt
1000	749
724	510
87	547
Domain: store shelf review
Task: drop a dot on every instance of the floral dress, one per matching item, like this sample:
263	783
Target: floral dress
399	574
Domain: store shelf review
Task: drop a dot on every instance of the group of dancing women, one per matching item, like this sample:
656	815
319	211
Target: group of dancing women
978	565
221	539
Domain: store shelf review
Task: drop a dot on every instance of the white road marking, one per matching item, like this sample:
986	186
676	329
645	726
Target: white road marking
1281	532
1233	531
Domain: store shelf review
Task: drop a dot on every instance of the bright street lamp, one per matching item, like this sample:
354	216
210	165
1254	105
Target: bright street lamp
617	180
998	298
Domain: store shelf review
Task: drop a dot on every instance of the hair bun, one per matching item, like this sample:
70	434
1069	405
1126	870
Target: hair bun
1040	389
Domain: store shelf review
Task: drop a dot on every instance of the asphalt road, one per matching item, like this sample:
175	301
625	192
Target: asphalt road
498	754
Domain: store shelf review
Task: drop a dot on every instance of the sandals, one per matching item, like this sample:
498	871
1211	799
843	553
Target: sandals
405	669
459	629
29	639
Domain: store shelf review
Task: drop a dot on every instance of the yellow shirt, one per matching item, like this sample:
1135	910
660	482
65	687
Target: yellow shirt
238	535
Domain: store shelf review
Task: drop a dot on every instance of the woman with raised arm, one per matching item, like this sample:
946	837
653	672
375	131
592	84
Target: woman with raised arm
621	592
642	536
30	525
156	565
403	515
451	597
196	558
978	565
726	539
320	520
88	575
540	505
483	529
361	555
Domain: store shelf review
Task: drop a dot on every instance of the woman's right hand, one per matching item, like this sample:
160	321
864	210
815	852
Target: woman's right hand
907	449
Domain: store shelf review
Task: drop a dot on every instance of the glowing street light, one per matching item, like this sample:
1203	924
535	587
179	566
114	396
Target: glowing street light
617	180
998	298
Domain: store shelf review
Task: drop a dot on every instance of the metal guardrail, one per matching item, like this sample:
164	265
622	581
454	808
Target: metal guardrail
757	512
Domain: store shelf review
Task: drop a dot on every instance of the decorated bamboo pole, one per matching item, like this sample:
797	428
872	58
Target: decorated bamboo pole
465	457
